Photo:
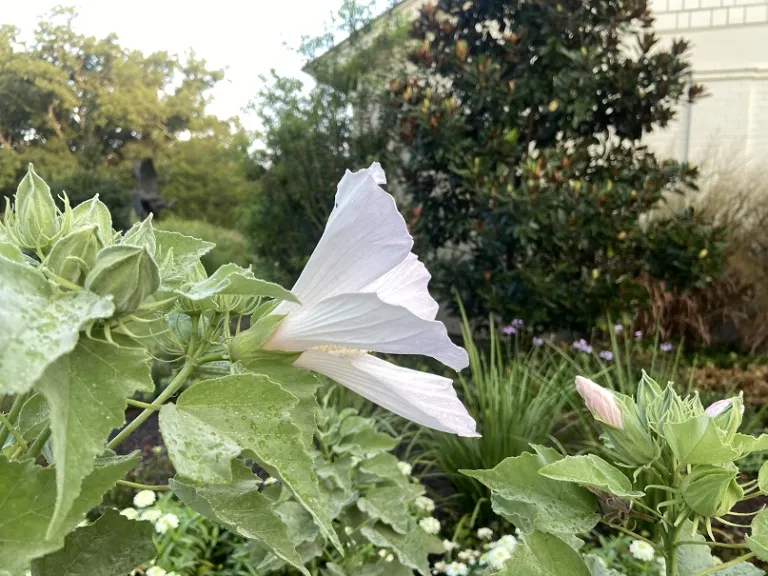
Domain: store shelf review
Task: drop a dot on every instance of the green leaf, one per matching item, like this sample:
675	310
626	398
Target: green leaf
411	549
560	507
301	527
32	420
393	568
94	212
28	497
698	441
217	420
111	546
86	392
231	279
39	324
10	252
762	478
301	384
390	505
182	254
758	538
597	566
384	466
592	471
543	554
367	441
241	508
339	471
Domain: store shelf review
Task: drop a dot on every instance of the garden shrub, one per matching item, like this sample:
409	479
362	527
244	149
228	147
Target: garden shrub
520	128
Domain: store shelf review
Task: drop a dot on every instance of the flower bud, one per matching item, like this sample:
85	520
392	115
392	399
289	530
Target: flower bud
36	224
73	255
599	401
717	408
142	234
711	490
95	213
727	414
127	273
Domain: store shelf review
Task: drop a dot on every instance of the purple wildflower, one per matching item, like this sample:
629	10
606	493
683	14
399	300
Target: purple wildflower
639	335
517	323
537	341
582	346
666	347
606	355
618	329
509	329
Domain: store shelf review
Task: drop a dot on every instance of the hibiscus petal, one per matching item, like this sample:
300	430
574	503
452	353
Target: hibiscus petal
363	321
365	238
423	398
407	285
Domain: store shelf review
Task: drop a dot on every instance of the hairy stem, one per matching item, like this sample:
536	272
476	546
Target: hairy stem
710	544
37	445
8	426
139	486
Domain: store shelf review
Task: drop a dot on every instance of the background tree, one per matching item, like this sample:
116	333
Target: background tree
76	104
311	137
521	127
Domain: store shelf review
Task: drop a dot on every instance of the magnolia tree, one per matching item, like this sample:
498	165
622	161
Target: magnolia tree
84	309
670	463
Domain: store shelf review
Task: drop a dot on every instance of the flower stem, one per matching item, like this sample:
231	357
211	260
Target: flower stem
138	486
144	405
711	544
719	567
173	387
13	415
212	358
37	445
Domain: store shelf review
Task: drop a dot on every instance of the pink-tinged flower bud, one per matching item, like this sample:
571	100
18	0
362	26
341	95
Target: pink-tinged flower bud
600	402
717	408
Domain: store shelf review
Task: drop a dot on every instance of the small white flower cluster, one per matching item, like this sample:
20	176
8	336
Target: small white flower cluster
642	550
386	555
154	571
405	468
162	522
144	499
424	503
495	556
430	525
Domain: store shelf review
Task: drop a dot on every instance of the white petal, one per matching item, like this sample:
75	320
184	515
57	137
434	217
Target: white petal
365	238
424	398
407	285
362	321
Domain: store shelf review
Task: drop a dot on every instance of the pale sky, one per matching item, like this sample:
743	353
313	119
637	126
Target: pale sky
245	37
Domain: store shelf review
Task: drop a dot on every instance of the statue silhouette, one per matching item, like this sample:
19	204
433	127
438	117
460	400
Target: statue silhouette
146	198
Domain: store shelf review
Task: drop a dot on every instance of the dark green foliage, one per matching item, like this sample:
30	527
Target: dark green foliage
530	188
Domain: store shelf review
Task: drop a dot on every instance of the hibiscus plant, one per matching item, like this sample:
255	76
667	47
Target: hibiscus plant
670	466
84	309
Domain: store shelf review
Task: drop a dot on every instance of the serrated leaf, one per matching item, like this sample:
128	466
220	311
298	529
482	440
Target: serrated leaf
390	505
544	554
231	279
693	558
185	253
39	324
560	507
591	470
240	507
301	384
411	549
86	392
32	420
111	546
339	472
698	441
219	419
758	537
384	466
301	527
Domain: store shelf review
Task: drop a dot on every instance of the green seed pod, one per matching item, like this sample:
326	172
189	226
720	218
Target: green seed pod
128	273
73	255
36	224
94	212
711	490
142	234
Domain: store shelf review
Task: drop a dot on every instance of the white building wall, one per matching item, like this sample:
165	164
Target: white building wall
729	54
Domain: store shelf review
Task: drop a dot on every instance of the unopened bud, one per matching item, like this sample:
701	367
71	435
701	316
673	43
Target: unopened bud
73	255
94	213
36	224
717	408
127	273
600	402
711	490
142	234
